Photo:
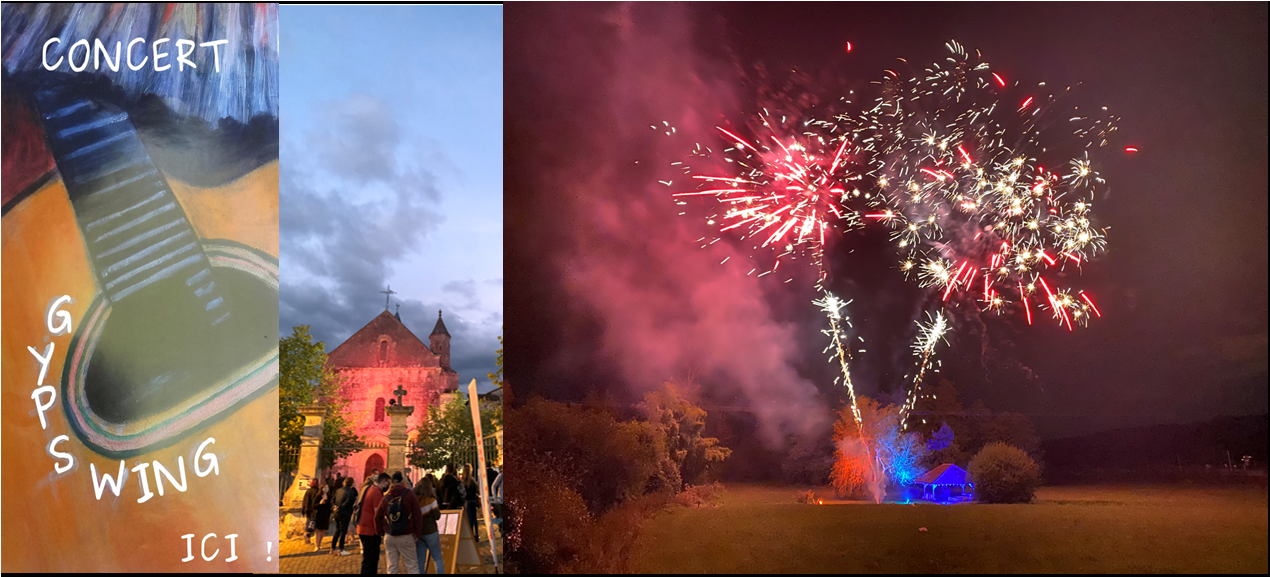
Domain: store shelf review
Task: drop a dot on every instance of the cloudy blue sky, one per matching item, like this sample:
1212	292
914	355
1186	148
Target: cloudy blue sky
392	172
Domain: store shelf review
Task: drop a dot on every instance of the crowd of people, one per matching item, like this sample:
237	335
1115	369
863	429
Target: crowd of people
391	512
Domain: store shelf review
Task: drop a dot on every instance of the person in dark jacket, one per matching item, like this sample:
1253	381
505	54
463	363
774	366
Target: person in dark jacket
322	512
345	502
451	490
430	541
361	494
400	544
472	500
369	528
436	486
309	507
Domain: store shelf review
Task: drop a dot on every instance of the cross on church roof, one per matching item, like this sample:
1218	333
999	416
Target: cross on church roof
400	392
387	293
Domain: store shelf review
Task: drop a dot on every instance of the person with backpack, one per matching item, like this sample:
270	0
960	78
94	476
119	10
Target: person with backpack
345	502
369	526
399	512
430	541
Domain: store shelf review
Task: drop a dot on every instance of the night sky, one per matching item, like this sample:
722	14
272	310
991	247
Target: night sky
612	292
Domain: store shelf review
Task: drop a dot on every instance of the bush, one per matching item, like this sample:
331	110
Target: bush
697	457
1004	474
613	536
696	496
547	523
808	497
605	461
585	482
808	460
580	488
549	529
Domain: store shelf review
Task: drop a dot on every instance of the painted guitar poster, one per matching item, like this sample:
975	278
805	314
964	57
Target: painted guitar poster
140	286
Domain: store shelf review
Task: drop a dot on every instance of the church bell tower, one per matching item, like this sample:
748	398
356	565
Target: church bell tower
440	342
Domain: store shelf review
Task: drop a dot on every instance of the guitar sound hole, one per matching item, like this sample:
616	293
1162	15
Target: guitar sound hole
159	351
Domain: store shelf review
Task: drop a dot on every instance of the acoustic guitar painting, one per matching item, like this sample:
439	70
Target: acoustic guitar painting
140	286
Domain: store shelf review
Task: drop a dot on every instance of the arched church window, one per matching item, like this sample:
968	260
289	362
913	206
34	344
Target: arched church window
383	353
379	410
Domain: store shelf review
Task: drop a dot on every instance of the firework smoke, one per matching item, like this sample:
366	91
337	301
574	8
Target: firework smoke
652	307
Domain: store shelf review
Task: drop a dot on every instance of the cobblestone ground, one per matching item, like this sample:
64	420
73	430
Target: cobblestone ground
297	557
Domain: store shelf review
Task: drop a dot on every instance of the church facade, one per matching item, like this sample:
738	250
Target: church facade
379	360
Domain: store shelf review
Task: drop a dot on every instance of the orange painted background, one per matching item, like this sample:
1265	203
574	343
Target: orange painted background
54	522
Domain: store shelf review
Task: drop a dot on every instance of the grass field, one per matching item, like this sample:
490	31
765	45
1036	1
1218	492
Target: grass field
1152	529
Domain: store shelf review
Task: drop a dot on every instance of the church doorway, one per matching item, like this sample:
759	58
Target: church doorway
373	462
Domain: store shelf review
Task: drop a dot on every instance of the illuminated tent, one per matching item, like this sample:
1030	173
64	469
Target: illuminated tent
947	482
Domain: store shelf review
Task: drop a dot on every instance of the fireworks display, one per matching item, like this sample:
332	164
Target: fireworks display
790	184
832	306
962	181
950	166
928	336
987	187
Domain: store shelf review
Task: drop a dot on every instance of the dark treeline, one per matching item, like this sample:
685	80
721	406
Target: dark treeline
1190	449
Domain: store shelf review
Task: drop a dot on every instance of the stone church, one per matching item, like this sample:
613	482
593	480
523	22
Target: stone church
378	359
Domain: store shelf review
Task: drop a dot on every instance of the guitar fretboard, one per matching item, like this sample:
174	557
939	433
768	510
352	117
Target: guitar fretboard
136	232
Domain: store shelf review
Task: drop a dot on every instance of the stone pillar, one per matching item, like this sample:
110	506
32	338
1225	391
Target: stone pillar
397	438
310	451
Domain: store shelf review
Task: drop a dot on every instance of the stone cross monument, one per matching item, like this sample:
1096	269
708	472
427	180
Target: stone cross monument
397	433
